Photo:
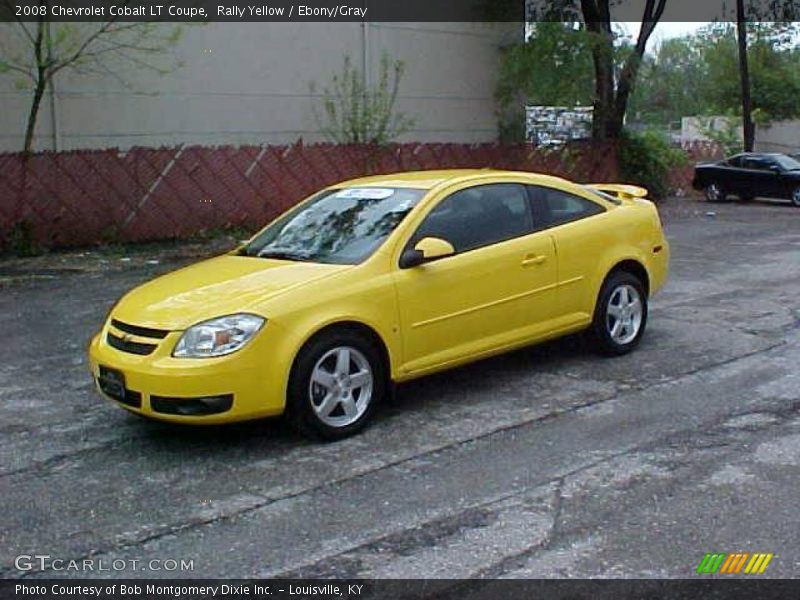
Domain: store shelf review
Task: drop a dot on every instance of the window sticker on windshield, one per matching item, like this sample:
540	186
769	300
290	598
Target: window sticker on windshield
365	193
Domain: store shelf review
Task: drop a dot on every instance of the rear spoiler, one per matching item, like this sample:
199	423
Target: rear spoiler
620	190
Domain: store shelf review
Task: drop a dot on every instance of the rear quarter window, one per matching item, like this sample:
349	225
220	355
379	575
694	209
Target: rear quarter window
554	207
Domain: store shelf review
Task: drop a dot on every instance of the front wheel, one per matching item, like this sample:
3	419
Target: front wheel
796	197
715	193
337	380
620	316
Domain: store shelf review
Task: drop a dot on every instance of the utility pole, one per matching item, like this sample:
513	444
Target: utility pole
748	129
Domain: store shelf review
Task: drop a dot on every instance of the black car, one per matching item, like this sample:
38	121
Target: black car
749	175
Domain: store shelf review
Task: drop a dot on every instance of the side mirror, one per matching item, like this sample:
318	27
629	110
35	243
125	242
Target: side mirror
427	249
775	168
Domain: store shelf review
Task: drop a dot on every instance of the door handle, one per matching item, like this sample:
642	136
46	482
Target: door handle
533	259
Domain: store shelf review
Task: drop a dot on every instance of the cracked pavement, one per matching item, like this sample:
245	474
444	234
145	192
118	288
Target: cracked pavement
547	462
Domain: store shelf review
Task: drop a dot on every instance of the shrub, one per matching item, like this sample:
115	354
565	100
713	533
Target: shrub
726	132
646	159
355	113
21	241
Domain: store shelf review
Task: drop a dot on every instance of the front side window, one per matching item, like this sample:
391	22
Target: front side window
478	216
343	226
758	164
554	207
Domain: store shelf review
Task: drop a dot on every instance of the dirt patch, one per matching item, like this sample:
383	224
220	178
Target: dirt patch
113	258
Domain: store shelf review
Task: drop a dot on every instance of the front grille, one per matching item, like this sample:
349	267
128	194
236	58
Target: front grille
129	346
158	334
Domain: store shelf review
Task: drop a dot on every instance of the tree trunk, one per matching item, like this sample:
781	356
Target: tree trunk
627	78
602	124
597	17
748	129
38	92
611	98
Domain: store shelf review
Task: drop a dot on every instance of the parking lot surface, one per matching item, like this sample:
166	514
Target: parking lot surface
548	462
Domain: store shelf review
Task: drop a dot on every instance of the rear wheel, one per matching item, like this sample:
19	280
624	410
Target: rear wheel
715	193
796	197
337	380
620	316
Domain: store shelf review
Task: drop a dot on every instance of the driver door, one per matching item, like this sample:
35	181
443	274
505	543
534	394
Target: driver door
497	289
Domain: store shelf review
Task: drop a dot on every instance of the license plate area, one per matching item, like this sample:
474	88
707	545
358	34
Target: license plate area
112	382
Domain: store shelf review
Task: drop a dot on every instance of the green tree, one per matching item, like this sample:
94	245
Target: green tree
699	75
668	84
552	67
35	52
612	89
585	48
778	10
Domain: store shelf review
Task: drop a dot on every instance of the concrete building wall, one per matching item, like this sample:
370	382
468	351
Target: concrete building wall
250	84
780	136
693	128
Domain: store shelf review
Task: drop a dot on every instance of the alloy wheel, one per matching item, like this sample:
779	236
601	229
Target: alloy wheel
713	192
624	314
796	197
341	386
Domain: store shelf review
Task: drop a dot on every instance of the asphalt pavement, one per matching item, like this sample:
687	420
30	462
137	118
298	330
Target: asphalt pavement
548	462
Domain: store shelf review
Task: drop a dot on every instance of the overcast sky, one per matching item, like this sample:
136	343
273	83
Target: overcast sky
664	30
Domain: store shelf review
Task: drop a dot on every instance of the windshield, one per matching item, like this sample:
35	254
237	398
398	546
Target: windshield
787	163
343	226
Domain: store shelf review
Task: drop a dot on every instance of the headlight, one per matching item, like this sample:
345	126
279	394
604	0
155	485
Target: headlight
217	337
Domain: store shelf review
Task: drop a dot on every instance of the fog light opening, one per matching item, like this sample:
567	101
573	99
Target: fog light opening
192	407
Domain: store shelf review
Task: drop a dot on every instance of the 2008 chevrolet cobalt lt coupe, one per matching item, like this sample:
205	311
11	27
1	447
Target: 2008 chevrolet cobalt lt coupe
381	280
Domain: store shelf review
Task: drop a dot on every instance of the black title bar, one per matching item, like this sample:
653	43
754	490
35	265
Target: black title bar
708	588
242	11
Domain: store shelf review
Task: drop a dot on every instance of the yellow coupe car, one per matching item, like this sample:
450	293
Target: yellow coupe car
380	280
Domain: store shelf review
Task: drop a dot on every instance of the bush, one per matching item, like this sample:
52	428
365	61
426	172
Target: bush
646	159
21	241
355	113
726	132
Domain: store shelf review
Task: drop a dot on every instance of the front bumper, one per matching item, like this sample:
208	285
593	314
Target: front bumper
236	387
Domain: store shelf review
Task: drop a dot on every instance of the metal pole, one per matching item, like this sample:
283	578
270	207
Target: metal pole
365	53
56	135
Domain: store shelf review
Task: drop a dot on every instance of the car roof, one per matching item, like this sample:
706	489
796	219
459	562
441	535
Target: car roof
429	179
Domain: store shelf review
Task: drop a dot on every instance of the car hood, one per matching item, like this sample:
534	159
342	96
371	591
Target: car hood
216	287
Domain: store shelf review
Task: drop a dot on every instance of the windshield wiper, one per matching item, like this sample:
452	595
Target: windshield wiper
282	255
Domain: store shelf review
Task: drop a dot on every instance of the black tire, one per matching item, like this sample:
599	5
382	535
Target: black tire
303	395
746	197
600	332
796	197
714	192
